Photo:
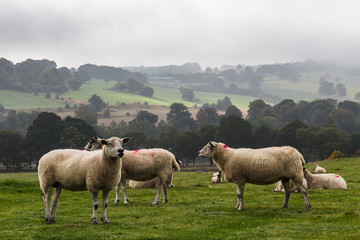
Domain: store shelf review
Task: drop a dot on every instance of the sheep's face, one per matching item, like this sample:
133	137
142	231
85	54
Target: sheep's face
206	151
93	144
114	146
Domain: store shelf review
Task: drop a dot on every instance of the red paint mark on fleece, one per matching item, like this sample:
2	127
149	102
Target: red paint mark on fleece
135	152
152	154
224	146
337	176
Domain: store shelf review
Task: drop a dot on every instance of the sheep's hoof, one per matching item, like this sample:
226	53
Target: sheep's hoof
126	201
155	203
94	221
104	220
50	220
117	200
165	201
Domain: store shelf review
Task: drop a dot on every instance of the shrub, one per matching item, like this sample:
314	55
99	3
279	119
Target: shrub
336	154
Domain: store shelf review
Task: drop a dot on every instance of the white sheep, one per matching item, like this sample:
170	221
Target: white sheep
143	165
258	166
279	187
216	177
319	169
77	170
324	181
153	182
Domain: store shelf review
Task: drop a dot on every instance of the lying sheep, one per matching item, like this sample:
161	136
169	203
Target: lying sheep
324	181
279	187
319	169
258	166
77	170
153	182
216	177
143	165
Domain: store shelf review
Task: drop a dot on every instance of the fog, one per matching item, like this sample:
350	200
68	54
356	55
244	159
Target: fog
162	32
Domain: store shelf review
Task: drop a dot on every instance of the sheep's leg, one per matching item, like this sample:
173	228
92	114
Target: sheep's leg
123	185
165	192
94	196
287	189
305	196
47	194
240	193
117	189
159	187
54	201
104	206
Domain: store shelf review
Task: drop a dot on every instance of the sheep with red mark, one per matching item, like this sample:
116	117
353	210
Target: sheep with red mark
324	181
143	165
77	170
153	182
258	166
319	169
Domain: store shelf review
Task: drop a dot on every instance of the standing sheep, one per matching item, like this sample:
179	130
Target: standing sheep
77	170
324	181
319	169
258	166
153	182
143	165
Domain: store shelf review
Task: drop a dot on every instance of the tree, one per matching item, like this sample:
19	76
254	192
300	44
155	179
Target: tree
235	132
97	102
184	150
44	134
287	111
187	94
255	108
287	134
73	83
147	91
11	149
344	120
180	118
353	107
207	116
264	136
326	88
84	113
340	90
145	116
233	110
133	85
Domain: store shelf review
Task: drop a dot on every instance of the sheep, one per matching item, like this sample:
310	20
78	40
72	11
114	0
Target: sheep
216	177
324	181
143	165
319	169
258	166
279	187
153	182
77	170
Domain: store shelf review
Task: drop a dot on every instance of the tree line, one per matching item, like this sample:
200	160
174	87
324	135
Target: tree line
183	134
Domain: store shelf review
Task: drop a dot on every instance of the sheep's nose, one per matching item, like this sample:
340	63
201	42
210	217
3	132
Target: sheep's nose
120	150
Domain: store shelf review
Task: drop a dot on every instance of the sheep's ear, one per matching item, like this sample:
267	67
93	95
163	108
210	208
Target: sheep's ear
126	139
104	142
212	144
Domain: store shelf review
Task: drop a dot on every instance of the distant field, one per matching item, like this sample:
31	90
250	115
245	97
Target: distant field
162	96
196	209
306	88
20	100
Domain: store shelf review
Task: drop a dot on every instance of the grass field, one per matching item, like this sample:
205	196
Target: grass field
162	96
196	210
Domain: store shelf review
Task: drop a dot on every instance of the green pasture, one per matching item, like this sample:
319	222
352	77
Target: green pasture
162	96
306	88
196	209
19	100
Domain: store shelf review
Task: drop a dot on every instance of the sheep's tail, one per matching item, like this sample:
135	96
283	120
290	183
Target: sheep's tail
175	165
302	159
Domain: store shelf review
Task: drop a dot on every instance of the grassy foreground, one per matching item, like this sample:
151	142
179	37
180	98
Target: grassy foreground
196	210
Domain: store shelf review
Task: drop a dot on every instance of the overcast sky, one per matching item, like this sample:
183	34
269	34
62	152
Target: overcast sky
163	32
